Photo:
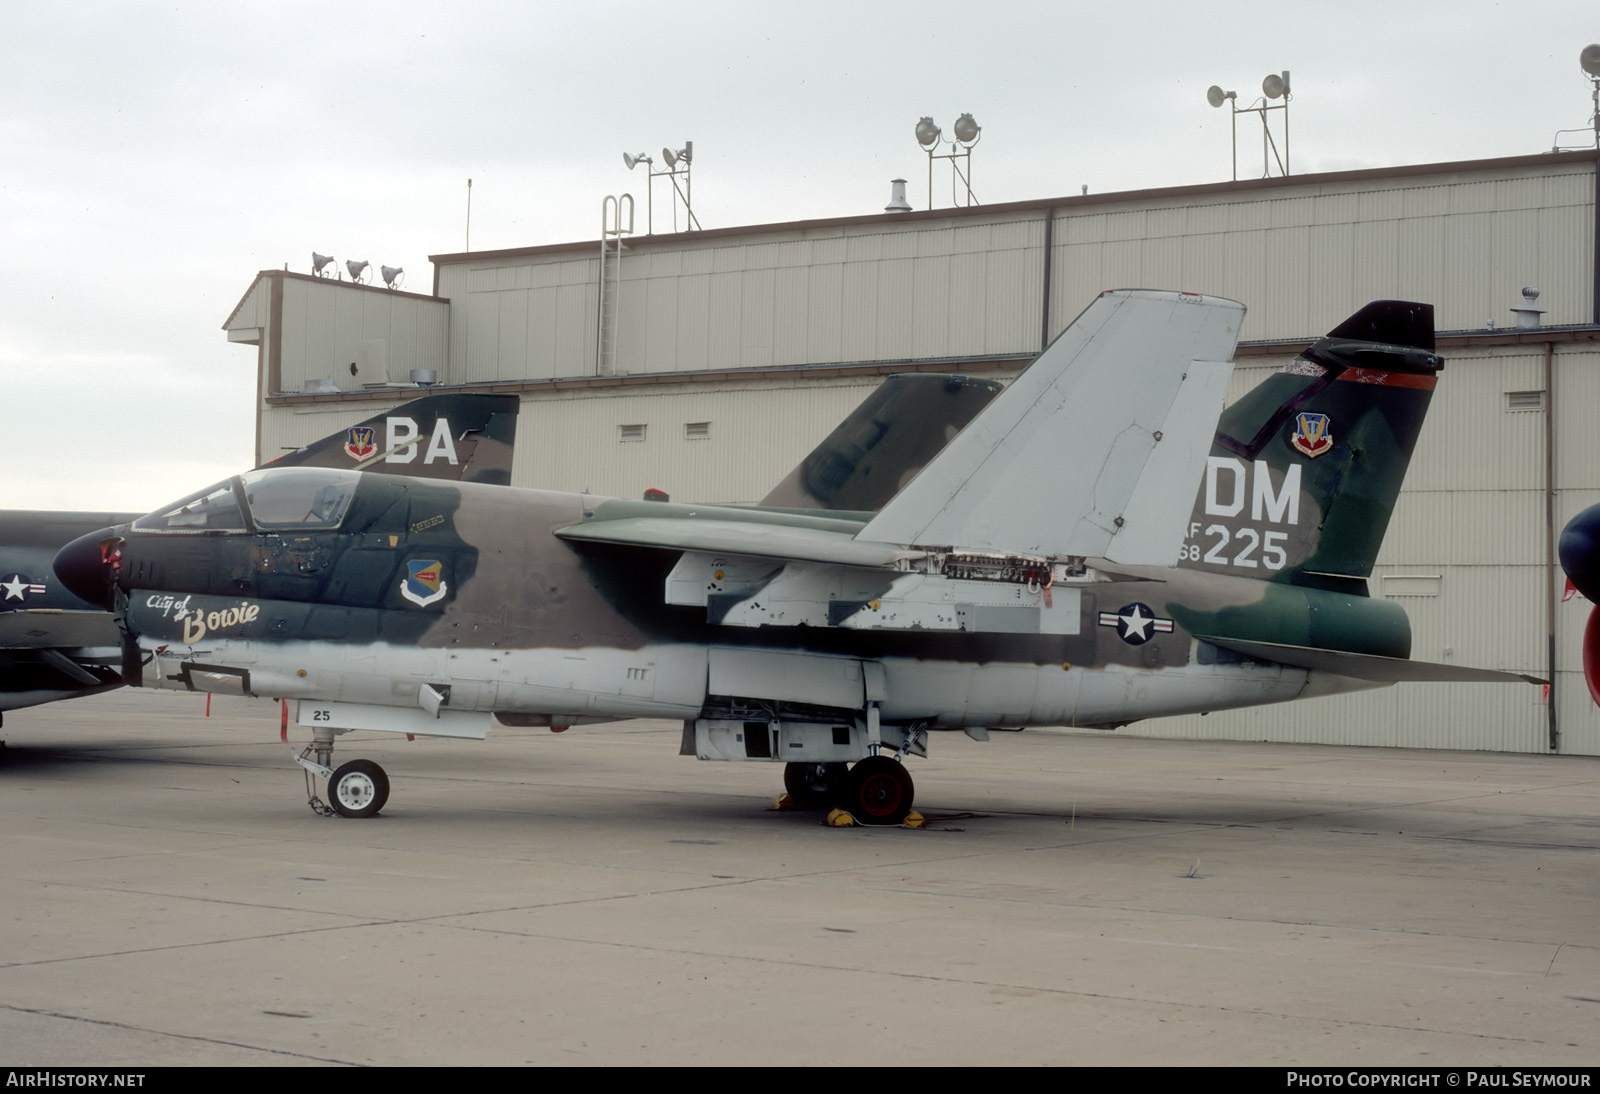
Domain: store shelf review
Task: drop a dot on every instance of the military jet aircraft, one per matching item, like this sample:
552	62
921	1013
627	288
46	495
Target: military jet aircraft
1092	549
54	645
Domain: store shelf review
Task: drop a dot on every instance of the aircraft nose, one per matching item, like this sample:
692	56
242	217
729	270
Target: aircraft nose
89	566
1580	551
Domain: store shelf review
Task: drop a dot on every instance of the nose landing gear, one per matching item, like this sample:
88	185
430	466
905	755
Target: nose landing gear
358	789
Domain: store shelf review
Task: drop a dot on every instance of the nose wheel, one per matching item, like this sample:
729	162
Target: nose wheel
358	789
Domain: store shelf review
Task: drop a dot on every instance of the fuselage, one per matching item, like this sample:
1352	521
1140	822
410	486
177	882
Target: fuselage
362	589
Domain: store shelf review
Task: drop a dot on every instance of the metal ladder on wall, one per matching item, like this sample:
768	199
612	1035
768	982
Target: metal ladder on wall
612	230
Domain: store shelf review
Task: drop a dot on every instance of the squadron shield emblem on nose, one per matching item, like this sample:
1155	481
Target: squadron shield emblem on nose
424	582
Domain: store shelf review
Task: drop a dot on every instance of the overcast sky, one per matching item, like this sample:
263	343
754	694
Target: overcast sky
154	157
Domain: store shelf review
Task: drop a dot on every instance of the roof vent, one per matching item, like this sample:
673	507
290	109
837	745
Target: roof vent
1528	315
897	197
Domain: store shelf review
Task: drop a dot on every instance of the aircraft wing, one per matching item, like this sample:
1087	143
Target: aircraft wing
51	628
739	537
1363	666
1096	450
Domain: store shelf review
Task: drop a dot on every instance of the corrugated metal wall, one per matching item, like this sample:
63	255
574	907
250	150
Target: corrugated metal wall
325	323
1300	256
885	292
754	435
1302	259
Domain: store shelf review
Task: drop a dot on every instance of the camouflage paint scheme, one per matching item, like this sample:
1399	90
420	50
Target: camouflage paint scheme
884	442
774	634
55	645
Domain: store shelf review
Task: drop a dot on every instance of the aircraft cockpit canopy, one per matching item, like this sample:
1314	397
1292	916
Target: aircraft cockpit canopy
299	497
283	499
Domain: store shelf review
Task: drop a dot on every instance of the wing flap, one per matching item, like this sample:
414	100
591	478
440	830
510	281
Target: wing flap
738	537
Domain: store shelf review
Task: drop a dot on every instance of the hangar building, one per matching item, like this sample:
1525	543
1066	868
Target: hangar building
708	363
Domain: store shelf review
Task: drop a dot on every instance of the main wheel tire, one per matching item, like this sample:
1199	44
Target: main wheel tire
813	784
878	790
358	789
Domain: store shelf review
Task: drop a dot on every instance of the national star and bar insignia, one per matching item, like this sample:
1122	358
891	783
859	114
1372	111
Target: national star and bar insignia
15	586
1136	624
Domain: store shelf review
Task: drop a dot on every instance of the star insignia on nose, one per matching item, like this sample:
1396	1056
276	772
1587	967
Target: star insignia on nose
1136	624
18	587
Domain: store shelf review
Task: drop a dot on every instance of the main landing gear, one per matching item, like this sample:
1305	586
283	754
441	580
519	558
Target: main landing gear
357	789
877	790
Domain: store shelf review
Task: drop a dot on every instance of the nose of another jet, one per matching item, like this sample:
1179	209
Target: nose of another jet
1580	551
88	566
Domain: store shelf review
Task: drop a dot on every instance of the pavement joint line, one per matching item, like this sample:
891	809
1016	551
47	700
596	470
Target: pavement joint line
725	883
198	945
969	982
38	1012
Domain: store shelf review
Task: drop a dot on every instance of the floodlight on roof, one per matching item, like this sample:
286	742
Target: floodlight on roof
318	262
391	274
967	133
1274	86
356	269
675	170
1590	60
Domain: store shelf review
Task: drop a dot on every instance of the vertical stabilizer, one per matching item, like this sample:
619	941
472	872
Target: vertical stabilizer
1306	467
462	437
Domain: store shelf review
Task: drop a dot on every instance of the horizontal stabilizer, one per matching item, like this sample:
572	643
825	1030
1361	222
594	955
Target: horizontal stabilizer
1093	441
1366	666
51	629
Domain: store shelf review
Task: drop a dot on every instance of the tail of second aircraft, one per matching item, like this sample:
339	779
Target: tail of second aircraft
884	442
466	437
1305	468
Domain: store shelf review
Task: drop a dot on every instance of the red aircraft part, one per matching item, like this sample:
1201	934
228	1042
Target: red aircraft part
1591	653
